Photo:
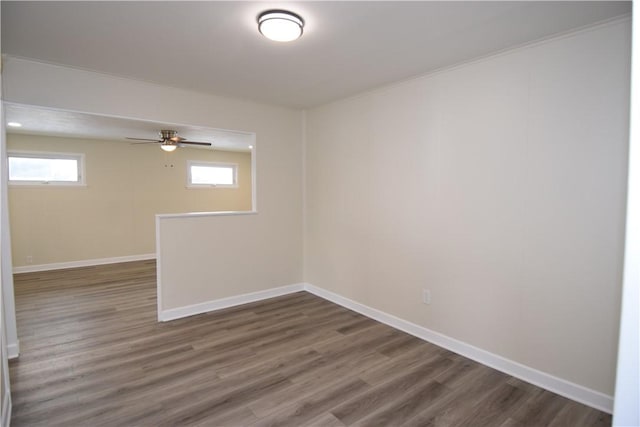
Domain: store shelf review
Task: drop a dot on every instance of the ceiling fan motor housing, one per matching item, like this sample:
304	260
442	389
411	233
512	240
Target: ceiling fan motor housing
166	134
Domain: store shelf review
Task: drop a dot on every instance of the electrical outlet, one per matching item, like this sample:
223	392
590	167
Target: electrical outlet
426	296
29	259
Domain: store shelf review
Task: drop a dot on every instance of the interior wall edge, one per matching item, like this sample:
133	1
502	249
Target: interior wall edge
303	120
576	392
627	389
81	263
6	410
7	300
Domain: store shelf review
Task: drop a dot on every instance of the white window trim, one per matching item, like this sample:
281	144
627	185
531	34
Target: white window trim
215	164
80	157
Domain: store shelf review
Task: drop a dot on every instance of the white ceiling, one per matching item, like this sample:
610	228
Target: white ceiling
347	47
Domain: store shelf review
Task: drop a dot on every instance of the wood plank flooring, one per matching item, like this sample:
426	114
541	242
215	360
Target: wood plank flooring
94	355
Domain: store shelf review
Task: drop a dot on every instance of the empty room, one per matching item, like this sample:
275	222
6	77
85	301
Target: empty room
319	213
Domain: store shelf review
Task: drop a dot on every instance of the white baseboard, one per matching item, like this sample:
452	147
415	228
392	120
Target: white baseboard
82	263
6	410
13	350
190	310
541	379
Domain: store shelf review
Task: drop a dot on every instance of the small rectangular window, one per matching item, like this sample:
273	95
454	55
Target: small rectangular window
206	174
33	168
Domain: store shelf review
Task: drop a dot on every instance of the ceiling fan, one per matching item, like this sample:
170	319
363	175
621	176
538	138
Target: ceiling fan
169	140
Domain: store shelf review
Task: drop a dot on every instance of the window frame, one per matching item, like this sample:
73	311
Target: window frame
233	166
79	157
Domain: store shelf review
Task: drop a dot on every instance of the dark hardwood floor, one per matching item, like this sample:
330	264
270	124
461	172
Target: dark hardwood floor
93	354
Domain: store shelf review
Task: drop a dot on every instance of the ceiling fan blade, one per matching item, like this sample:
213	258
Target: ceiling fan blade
208	144
144	139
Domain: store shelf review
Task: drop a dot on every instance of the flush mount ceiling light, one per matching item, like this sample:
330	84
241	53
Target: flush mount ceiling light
280	25
14	124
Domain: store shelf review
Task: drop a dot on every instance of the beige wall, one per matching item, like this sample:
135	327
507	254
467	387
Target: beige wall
500	187
114	214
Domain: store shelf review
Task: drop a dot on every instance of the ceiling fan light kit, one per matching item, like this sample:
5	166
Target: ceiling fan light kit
280	25
168	147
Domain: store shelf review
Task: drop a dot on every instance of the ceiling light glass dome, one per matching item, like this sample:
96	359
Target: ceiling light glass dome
280	25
